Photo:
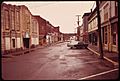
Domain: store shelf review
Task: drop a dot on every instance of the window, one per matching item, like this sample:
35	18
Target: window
18	21
33	26
105	35
12	20
13	41
6	20
114	31
106	12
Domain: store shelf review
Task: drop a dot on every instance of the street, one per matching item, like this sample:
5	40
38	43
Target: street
58	62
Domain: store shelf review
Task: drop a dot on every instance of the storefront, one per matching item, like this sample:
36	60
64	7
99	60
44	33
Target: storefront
93	37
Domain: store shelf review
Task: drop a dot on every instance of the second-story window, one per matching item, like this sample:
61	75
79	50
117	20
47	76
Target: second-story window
33	26
18	21
12	20
6	20
106	12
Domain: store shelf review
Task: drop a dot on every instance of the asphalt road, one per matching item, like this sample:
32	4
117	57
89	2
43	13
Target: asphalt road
58	62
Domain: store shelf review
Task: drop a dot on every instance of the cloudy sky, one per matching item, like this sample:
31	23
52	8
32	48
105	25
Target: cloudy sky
59	13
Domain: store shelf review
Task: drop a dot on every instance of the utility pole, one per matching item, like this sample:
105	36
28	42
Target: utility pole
78	29
99	30
78	19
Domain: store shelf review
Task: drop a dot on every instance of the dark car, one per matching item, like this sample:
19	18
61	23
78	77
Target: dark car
81	45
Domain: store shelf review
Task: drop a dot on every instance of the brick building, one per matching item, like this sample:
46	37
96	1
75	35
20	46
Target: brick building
16	28
10	28
42	30
34	32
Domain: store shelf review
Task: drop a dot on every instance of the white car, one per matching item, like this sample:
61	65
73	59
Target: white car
77	44
72	43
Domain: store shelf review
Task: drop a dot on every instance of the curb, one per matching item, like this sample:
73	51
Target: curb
113	62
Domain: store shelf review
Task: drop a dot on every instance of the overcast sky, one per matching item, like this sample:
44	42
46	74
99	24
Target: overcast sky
59	13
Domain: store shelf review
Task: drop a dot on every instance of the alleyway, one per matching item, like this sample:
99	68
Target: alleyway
57	62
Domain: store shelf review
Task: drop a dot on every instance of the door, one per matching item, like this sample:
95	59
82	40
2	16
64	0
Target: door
26	42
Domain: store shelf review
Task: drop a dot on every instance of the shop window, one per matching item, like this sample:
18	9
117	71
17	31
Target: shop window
114	29
105	35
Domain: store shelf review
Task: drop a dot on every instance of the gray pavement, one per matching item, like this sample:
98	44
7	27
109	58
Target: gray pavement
57	62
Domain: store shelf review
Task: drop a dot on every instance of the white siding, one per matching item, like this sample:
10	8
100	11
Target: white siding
35	41
7	43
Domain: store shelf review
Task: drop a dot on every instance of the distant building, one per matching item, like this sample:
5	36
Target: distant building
81	33
69	36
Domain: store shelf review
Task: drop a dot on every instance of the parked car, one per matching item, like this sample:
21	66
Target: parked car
77	44
72	43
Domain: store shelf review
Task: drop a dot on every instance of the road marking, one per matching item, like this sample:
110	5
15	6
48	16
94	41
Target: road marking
115	63
98	74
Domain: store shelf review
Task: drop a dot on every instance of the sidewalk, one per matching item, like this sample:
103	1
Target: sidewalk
109	56
27	50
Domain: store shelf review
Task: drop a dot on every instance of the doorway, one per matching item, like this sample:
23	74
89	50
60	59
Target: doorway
26	42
